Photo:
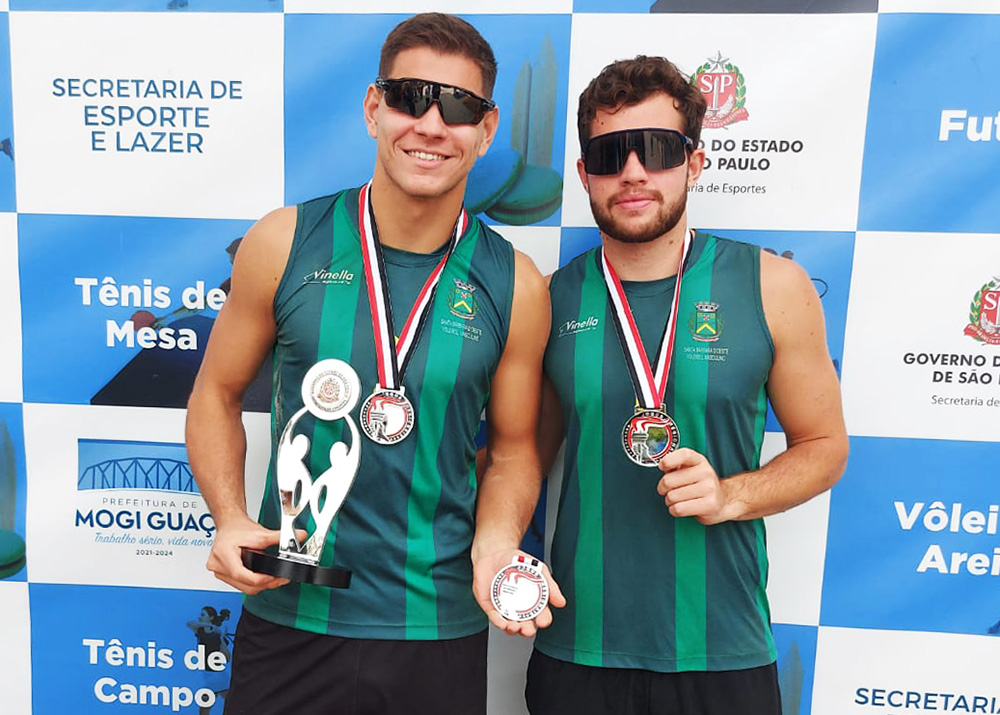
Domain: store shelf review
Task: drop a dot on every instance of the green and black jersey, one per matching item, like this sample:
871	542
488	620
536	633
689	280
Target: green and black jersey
644	589
406	526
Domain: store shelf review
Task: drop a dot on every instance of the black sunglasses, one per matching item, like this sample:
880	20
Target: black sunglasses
415	97
657	149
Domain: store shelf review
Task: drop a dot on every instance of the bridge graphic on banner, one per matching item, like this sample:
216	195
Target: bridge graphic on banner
139	473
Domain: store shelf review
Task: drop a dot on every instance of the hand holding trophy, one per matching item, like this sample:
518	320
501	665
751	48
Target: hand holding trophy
330	390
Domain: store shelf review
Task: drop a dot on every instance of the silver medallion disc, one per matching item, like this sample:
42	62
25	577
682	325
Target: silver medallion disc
519	590
387	417
330	389
648	435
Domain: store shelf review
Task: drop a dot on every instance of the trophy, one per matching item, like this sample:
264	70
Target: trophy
330	390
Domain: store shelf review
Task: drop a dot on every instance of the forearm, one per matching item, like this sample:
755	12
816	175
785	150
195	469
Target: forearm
508	493
795	476
216	444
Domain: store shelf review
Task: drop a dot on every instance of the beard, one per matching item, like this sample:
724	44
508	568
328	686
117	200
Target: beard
633	230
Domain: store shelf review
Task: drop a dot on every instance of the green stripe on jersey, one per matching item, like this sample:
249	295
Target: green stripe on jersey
588	367
760	529
425	494
690	383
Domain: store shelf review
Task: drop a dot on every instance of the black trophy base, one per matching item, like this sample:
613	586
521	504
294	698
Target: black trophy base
267	562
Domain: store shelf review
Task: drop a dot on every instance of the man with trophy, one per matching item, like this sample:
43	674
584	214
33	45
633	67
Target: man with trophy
369	574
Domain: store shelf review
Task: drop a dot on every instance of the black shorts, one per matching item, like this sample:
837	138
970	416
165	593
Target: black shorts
556	687
280	670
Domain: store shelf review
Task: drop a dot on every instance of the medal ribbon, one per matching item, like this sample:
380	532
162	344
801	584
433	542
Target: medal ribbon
650	387
392	355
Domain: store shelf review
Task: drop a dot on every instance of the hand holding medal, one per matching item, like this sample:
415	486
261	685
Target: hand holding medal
690	487
519	590
516	591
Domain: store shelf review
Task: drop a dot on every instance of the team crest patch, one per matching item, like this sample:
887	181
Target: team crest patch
984	314
462	300
725	91
705	322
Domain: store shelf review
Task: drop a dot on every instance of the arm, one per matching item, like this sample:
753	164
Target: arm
805	393
551	430
243	334
511	478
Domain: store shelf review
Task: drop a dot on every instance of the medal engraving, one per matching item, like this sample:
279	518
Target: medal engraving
649	435
327	390
519	590
387	416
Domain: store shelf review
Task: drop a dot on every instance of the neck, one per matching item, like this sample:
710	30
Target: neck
647	261
413	223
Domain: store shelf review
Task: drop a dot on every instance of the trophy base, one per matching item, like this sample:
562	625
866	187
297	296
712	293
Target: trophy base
266	562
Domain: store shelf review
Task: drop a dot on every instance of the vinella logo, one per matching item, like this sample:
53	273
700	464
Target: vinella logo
572	327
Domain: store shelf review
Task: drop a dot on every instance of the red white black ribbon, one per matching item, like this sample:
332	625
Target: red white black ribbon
392	355
650	387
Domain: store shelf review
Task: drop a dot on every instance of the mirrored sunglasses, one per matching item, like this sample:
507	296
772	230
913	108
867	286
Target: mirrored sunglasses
415	97
657	149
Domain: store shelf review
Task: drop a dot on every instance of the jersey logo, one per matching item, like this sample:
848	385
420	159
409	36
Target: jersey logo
984	314
705	323
327	277
462	300
572	327
725	91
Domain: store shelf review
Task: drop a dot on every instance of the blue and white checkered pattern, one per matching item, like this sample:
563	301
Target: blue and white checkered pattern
139	139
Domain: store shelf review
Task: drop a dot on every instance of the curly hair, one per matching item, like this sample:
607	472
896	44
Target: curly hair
628	82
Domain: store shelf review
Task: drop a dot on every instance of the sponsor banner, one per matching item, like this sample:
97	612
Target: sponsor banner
935	519
113	500
13	491
574	241
110	649
518	182
10	314
144	115
796	647
796	549
930	157
827	257
721	6
922	344
7	202
763	134
151	5
900	673
983	7
135	298
15	648
455	7
540	243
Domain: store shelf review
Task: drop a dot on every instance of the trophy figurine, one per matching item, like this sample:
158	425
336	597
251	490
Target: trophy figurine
330	390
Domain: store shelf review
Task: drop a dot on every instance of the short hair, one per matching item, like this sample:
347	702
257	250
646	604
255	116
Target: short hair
442	33
628	82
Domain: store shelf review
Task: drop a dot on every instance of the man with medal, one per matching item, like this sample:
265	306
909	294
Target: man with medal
354	289
665	346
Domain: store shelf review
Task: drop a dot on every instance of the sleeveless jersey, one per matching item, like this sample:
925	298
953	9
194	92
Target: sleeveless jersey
644	589
406	526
